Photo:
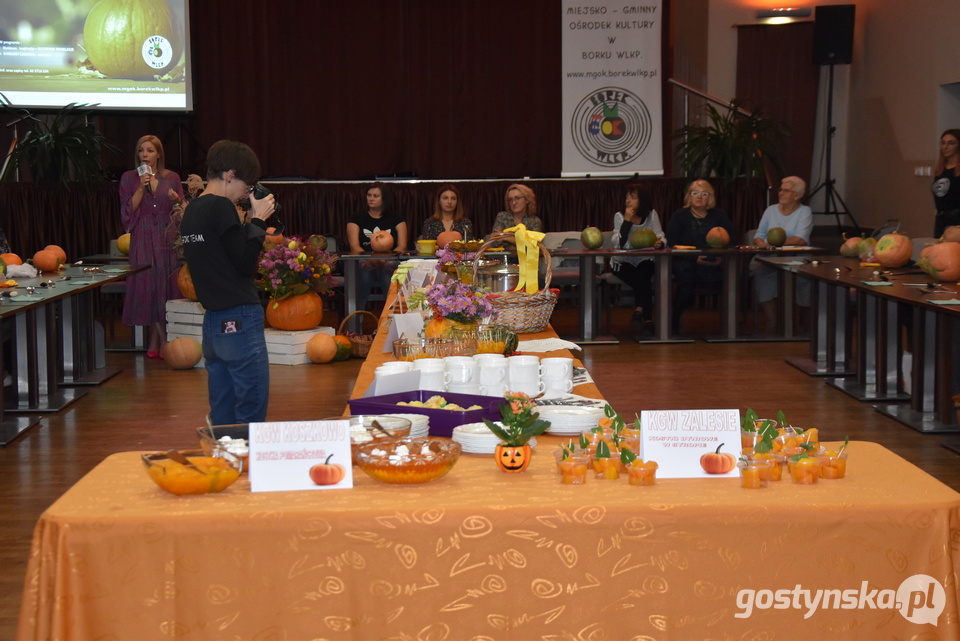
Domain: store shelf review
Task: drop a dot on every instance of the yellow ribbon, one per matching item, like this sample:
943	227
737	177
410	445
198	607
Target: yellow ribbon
528	255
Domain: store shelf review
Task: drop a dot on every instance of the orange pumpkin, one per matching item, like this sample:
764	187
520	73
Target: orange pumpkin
273	237
56	249
951	234
849	246
942	261
322	348
11	259
448	237
123	244
893	250
381	241
327	473
718	237
512	458
718	462
344	347
185	283
304	311
182	353
47	261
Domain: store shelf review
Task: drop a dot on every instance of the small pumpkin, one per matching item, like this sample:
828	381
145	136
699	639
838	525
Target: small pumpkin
327	473
304	311
849	246
321	348
591	238
381	241
318	241
718	462
776	236
513	458
132	39
448	237
642	238
11	259
58	250
123	244
182	353
894	250
47	261
951	234
185	283
344	347
718	237
273	237
942	261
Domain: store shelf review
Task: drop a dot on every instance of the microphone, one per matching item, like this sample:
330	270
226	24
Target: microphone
144	168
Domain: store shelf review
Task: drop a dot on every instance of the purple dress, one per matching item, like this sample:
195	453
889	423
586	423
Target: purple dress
151	245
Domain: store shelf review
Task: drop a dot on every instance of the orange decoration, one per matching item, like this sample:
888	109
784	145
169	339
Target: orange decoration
344	347
185	283
327	473
448	237
893	250
182	353
321	348
717	462
513	459
849	248
942	261
304	311
273	237
11	259
47	261
951	234
56	249
381	241
718	237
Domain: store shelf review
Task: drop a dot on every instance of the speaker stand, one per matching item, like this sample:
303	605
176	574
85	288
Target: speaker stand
831	196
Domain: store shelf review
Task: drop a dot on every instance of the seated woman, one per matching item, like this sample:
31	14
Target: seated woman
796	221
689	226
447	216
637	271
521	207
379	216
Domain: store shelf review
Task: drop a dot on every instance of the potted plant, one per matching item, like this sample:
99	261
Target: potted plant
519	423
61	148
735	143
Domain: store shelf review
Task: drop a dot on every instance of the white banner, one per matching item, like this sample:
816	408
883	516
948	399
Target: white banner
612	116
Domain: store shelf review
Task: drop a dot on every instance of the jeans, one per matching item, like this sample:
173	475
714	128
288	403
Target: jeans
238	370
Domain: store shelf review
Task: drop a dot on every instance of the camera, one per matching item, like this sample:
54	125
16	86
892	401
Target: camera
260	192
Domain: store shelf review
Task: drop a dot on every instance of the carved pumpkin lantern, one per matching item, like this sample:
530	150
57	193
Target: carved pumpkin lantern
513	458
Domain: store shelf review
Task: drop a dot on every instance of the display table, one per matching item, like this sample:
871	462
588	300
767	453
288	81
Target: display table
481	553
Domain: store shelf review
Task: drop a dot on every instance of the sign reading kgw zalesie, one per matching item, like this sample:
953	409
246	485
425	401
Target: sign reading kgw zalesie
611	88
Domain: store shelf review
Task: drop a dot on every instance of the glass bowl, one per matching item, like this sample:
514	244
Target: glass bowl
363	432
408	460
202	475
232	438
410	350
496	339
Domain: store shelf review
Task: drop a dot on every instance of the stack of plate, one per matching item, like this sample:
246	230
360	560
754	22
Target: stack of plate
570	420
419	424
476	438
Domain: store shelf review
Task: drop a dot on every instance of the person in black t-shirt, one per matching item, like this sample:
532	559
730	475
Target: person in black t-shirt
946	184
222	253
379	216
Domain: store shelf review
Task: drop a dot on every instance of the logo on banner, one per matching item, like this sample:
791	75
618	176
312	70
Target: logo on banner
611	126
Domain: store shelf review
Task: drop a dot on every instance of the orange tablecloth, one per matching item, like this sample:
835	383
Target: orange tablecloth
481	554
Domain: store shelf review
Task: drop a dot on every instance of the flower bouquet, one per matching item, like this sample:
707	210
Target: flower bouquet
455	262
455	305
296	267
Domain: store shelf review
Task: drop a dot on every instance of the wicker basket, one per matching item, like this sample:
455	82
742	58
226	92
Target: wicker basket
360	347
522	312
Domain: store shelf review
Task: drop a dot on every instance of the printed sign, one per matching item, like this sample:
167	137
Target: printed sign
685	443
300	455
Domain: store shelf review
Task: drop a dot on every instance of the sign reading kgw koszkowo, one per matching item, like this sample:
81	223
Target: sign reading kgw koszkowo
612	113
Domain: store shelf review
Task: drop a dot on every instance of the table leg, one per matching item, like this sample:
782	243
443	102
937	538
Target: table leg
81	348
830	335
588	305
662	303
11	426
351	284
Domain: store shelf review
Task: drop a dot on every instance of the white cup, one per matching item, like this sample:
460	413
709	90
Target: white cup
557	367
387	371
468	387
432	364
462	369
526	359
396	366
531	388
486	359
493	379
556	386
433	379
523	373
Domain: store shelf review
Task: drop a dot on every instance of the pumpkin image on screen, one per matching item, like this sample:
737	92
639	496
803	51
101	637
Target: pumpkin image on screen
381	241
718	462
132	38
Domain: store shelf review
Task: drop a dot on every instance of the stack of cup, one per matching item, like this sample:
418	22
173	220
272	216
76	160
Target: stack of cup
392	367
462	373
557	376
433	374
523	375
492	374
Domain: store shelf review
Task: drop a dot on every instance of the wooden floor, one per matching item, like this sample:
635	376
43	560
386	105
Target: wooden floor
150	407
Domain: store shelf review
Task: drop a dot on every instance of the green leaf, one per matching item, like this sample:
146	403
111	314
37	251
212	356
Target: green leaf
781	418
746	421
584	442
499	431
627	456
603	450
